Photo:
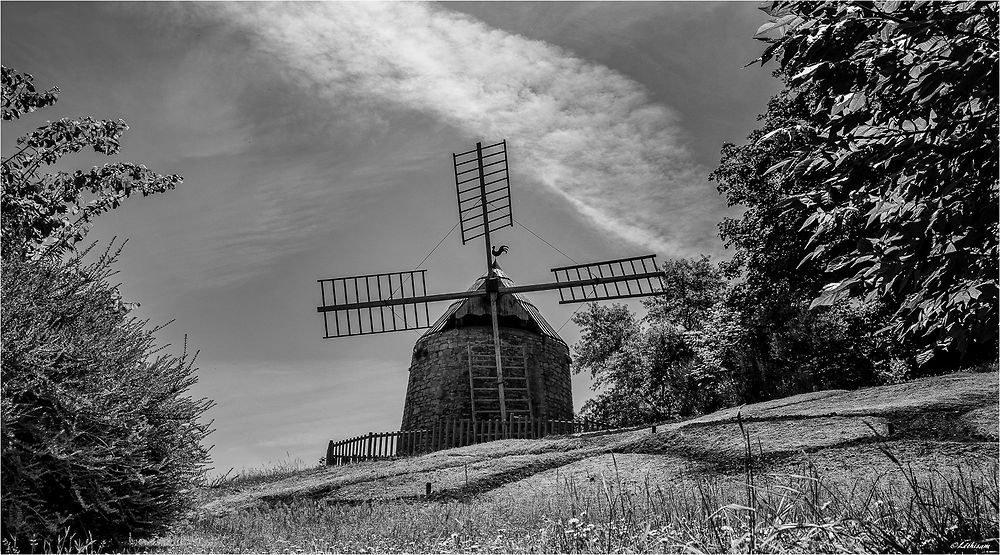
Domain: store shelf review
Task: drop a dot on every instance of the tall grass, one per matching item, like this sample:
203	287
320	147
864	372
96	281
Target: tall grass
247	477
792	512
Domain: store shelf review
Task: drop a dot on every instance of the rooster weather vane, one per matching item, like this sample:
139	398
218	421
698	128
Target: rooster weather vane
397	301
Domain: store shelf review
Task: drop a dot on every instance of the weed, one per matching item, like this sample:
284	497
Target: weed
255	476
767	513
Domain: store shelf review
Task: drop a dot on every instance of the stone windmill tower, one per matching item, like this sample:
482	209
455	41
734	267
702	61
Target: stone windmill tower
491	356
453	373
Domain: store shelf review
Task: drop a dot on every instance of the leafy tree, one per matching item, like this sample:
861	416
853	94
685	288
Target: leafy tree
610	350
653	370
49	212
767	241
691	289
100	439
902	146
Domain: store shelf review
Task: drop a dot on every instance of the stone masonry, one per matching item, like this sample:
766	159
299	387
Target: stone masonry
439	373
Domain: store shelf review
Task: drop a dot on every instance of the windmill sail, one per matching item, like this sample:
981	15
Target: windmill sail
621	278
482	178
356	305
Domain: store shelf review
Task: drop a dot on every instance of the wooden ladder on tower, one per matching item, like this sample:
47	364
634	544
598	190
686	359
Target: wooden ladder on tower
485	394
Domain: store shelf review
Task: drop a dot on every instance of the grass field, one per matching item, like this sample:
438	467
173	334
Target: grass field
904	468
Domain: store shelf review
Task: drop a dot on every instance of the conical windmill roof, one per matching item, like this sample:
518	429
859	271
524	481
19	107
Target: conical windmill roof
511	307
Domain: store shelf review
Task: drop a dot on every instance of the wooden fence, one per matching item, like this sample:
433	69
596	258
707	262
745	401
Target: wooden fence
446	434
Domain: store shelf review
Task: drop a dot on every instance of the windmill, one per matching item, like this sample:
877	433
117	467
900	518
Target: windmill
398	301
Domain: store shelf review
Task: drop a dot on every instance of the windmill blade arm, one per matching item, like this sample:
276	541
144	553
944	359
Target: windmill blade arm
590	282
401	301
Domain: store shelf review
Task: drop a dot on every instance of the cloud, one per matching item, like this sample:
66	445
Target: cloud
579	129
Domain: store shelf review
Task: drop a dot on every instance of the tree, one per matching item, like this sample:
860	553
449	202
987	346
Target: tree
905	149
653	370
100	439
50	212
767	240
691	288
786	347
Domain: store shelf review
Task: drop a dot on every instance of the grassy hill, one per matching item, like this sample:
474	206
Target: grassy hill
909	466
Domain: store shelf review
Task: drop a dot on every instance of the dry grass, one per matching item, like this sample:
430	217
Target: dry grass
955	392
798	511
818	482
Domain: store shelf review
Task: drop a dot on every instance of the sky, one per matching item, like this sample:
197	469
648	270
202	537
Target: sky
315	141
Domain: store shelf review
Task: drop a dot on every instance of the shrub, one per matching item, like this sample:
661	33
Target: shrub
100	438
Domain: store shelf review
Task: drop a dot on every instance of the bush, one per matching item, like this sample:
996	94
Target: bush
100	439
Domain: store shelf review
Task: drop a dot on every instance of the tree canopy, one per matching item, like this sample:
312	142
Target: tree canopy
48	212
900	147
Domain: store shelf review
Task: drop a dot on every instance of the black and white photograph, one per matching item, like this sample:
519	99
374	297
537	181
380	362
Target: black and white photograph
500	277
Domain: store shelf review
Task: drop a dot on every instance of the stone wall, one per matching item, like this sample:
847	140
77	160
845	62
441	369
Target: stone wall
439	374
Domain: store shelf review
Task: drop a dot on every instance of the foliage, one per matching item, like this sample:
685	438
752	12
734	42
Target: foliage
691	289
789	349
99	435
660	368
49	212
705	345
612	349
900	145
767	242
100	441
784	345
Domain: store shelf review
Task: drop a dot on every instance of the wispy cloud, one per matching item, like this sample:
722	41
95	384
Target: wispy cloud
580	129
